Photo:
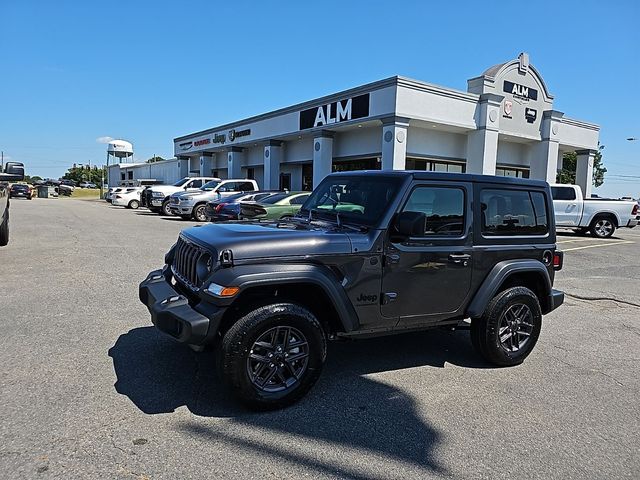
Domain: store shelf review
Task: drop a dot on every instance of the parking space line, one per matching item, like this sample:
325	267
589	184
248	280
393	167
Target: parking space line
578	240
597	246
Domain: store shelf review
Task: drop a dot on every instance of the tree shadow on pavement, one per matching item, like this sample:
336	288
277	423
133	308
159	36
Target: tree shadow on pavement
346	407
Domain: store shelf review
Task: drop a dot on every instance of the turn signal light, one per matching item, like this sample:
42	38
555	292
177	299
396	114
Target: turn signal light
558	258
221	291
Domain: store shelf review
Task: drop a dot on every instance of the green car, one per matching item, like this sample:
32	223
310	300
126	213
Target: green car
274	207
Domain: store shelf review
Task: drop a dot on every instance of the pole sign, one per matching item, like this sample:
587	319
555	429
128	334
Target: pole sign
335	112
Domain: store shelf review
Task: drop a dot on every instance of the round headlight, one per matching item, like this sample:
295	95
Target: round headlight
204	266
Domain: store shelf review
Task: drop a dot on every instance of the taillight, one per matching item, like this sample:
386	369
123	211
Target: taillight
220	206
558	260
635	210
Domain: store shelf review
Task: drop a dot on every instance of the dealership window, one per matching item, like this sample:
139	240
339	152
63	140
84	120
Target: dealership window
251	173
435	165
513	212
130	175
122	176
503	171
285	181
307	177
356	164
444	208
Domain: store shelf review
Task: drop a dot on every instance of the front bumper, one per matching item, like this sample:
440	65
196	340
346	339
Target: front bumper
156	202
180	209
173	314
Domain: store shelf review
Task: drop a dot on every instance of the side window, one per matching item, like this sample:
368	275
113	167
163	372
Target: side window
443	206
246	187
563	193
196	184
299	200
513	212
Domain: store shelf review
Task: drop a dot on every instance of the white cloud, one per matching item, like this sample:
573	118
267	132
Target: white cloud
104	139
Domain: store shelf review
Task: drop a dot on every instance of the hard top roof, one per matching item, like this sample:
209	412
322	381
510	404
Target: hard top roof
445	176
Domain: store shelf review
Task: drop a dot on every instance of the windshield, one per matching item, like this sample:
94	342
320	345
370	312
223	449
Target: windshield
361	200
179	183
207	187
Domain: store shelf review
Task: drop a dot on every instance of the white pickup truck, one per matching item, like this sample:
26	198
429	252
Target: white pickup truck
601	217
156	198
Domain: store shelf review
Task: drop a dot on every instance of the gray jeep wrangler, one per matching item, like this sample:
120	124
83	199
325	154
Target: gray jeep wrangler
370	253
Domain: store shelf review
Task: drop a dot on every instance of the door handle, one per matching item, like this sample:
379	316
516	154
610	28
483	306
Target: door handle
460	258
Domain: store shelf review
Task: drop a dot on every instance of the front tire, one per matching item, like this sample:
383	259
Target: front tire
199	213
602	227
166	211
273	355
509	328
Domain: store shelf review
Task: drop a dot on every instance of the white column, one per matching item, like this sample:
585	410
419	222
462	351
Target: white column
322	156
394	143
234	162
272	160
482	144
206	164
584	171
544	159
183	167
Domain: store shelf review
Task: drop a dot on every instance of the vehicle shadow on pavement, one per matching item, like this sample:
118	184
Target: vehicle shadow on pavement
346	407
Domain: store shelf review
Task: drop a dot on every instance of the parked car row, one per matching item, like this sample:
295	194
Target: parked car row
209	199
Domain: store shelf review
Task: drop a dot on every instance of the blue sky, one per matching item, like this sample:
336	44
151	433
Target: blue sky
71	72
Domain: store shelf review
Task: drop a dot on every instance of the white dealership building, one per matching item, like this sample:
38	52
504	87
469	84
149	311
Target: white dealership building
504	124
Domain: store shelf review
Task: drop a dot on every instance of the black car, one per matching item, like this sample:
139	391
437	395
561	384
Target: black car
13	172
20	190
228	208
369	254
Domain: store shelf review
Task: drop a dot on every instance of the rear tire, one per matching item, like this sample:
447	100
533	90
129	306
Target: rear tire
509	328
602	227
4	230
273	355
134	204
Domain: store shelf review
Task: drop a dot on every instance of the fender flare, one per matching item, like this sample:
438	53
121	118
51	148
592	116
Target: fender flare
251	276
498	274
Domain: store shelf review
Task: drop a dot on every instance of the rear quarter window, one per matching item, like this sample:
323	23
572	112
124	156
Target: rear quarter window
563	193
513	212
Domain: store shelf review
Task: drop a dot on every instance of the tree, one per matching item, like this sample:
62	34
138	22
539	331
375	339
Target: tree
154	159
30	179
82	173
569	162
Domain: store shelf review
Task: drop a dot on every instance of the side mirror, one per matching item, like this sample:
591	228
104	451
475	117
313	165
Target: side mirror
410	224
13	172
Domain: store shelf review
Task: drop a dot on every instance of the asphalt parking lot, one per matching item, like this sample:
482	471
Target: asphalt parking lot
88	389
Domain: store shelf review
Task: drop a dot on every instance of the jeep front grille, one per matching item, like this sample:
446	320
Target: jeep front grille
185	261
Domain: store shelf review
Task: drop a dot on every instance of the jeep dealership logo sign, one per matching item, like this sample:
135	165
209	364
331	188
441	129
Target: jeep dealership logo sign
335	112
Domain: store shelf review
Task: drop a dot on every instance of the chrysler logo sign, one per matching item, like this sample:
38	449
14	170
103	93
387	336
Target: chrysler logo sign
335	112
185	146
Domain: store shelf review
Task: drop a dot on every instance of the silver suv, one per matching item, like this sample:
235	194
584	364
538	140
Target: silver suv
193	204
